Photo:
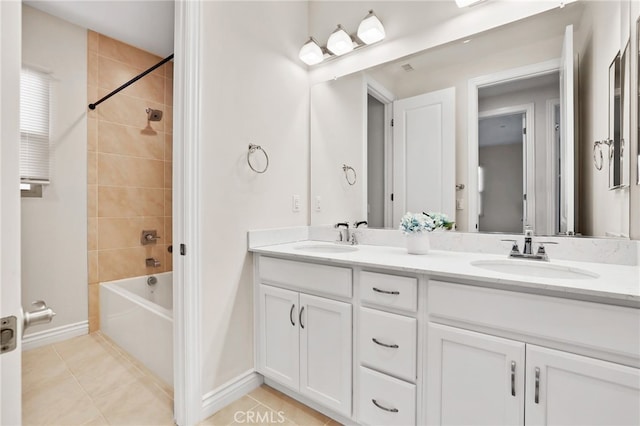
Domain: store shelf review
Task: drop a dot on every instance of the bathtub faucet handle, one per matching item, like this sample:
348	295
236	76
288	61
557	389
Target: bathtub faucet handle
149	237
152	262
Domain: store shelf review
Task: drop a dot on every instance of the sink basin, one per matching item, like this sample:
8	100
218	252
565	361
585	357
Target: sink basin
326	248
534	269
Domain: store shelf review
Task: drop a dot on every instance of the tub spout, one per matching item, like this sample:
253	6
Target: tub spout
152	262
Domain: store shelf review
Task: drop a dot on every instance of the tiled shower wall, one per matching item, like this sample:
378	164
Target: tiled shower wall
129	165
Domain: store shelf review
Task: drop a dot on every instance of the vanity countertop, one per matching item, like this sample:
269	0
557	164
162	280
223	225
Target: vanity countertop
615	284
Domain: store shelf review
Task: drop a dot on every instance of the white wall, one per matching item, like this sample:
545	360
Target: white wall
601	211
253	88
375	162
338	131
543	177
54	227
634	207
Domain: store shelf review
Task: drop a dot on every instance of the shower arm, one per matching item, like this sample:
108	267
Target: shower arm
130	82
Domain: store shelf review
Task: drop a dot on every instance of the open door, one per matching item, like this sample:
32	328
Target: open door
10	305
424	154
567	143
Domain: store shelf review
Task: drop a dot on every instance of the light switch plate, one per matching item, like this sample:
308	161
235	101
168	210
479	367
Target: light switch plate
295	203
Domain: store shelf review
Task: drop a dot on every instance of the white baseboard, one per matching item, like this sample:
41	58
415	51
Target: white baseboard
53	335
224	395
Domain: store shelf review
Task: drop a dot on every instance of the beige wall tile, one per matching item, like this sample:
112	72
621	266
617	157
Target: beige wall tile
94	300
115	233
168	146
168	91
92	177
168	229
112	74
128	202
122	52
92	96
92	41
117	139
92	233
93	266
120	263
169	70
168	117
130	111
168	203
118	170
92	134
92	200
168	175
92	69
94	324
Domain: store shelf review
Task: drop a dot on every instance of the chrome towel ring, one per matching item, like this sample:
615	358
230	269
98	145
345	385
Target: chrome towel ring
350	180
253	148
598	145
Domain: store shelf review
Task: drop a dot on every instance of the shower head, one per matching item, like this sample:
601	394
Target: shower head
154	114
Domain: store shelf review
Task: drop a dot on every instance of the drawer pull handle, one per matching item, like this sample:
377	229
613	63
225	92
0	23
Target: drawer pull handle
384	344
377	290
537	392
291	315
513	378
300	317
391	410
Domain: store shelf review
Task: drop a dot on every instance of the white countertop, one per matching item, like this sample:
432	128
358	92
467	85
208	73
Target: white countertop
616	284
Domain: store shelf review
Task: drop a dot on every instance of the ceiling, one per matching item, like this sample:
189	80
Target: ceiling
146	24
501	130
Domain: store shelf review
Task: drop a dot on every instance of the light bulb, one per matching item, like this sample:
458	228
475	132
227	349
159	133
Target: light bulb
465	3
371	29
311	53
340	42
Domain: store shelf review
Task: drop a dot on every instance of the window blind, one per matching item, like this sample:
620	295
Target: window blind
34	126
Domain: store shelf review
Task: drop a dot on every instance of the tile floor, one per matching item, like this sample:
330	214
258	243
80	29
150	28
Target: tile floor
89	380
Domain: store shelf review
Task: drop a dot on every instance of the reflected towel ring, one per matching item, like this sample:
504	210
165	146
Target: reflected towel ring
598	144
346	169
253	148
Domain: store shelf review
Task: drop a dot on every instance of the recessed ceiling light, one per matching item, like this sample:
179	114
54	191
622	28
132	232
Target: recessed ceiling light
466	41
465	3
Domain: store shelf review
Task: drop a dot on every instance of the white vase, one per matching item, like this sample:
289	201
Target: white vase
418	243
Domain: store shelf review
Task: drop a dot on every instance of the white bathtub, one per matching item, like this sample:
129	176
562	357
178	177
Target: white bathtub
139	318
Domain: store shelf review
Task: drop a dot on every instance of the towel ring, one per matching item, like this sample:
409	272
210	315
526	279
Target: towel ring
596	146
346	169
253	148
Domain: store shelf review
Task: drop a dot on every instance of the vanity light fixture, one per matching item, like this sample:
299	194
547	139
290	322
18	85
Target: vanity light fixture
340	42
466	3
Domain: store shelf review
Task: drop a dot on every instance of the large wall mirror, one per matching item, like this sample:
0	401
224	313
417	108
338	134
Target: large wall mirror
495	130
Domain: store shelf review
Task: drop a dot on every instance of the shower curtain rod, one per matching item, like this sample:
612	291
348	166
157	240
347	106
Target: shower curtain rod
130	82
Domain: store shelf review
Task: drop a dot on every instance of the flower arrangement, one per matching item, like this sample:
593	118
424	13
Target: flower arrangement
412	223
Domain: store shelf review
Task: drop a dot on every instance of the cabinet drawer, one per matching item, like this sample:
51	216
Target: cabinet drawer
389	290
393	330
384	400
329	280
592	326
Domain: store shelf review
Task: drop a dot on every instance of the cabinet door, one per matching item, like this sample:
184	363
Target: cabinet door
325	352
279	336
473	378
569	389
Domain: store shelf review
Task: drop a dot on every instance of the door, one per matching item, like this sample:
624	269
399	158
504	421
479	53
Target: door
474	378
568	389
279	337
325	352
10	364
424	154
567	82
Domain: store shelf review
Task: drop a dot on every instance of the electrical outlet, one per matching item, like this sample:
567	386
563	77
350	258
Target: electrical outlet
295	203
460	204
318	204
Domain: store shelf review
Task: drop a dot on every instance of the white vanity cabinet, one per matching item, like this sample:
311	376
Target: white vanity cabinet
479	378
387	349
305	341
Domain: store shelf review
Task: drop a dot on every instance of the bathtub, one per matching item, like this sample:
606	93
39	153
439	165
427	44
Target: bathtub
139	318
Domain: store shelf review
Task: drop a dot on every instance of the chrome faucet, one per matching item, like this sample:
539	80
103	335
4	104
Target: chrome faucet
527	251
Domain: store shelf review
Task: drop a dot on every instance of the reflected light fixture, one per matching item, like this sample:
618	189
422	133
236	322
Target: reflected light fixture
466	3
340	42
370	29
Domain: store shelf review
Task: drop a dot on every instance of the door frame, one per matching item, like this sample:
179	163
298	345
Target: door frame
187	282
552	159
384	96
528	159
474	84
10	285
